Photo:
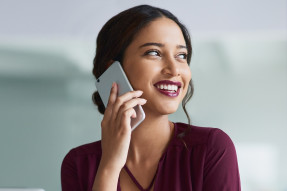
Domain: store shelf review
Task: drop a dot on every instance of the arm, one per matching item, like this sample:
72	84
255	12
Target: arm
116	135
221	169
106	178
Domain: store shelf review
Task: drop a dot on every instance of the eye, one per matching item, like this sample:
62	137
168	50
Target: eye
152	53
182	56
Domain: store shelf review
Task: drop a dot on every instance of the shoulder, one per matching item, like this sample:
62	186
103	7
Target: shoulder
195	135
216	151
87	149
83	152
79	166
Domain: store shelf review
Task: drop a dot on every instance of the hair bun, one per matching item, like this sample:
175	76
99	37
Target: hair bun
98	101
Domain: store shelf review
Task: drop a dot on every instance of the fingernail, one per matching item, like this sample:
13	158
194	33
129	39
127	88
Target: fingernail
114	84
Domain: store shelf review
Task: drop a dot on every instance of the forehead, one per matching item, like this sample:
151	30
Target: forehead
161	30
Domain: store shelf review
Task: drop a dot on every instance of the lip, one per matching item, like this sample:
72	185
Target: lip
169	93
168	82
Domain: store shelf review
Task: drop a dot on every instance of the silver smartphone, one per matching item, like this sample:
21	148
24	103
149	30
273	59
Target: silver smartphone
115	73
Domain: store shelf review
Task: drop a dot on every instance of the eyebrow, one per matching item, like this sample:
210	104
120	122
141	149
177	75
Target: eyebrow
181	46
151	44
160	45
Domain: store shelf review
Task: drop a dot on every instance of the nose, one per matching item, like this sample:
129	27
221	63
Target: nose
171	68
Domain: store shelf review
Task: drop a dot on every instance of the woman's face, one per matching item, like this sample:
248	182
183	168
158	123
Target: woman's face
155	62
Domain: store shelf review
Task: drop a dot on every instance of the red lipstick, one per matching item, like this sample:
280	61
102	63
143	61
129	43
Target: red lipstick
168	88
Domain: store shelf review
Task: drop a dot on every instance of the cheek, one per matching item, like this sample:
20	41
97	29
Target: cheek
135	76
186	73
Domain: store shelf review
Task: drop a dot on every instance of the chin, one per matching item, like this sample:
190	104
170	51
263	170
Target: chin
162	108
167	110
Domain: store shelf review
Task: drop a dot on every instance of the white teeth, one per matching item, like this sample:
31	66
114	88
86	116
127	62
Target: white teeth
168	87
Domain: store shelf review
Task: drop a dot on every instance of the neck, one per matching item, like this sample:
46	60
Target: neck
150	139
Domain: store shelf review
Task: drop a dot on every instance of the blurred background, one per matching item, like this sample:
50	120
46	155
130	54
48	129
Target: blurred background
239	69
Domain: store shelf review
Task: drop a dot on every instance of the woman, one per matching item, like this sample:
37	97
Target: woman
154	50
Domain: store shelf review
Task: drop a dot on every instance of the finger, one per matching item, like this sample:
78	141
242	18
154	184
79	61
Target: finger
113	94
126	118
112	99
131	104
124	98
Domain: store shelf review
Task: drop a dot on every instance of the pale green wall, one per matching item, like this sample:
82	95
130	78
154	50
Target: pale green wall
46	107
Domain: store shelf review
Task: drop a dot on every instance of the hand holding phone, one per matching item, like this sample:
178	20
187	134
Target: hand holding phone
116	74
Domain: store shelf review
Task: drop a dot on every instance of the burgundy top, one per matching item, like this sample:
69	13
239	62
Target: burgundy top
203	160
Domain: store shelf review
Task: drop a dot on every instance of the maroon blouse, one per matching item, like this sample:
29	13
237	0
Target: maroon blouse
203	160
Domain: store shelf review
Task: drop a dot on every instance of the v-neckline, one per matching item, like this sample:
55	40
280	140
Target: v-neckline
136	182
158	165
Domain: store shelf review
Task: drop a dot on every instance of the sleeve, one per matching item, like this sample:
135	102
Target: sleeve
221	168
69	177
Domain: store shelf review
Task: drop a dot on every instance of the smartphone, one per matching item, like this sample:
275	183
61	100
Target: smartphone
115	73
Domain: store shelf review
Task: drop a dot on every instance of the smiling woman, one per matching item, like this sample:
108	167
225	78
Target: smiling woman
160	53
154	49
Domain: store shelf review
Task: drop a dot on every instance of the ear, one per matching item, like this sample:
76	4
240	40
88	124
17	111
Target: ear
109	64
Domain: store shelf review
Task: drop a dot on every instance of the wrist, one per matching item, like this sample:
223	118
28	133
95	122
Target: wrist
107	177
109	167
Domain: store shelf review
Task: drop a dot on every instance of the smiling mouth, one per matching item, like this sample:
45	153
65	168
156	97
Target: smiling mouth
168	88
165	87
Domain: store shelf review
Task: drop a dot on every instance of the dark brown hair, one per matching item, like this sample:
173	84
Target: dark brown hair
117	34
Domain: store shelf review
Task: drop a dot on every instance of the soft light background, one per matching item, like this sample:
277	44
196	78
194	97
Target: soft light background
239	70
